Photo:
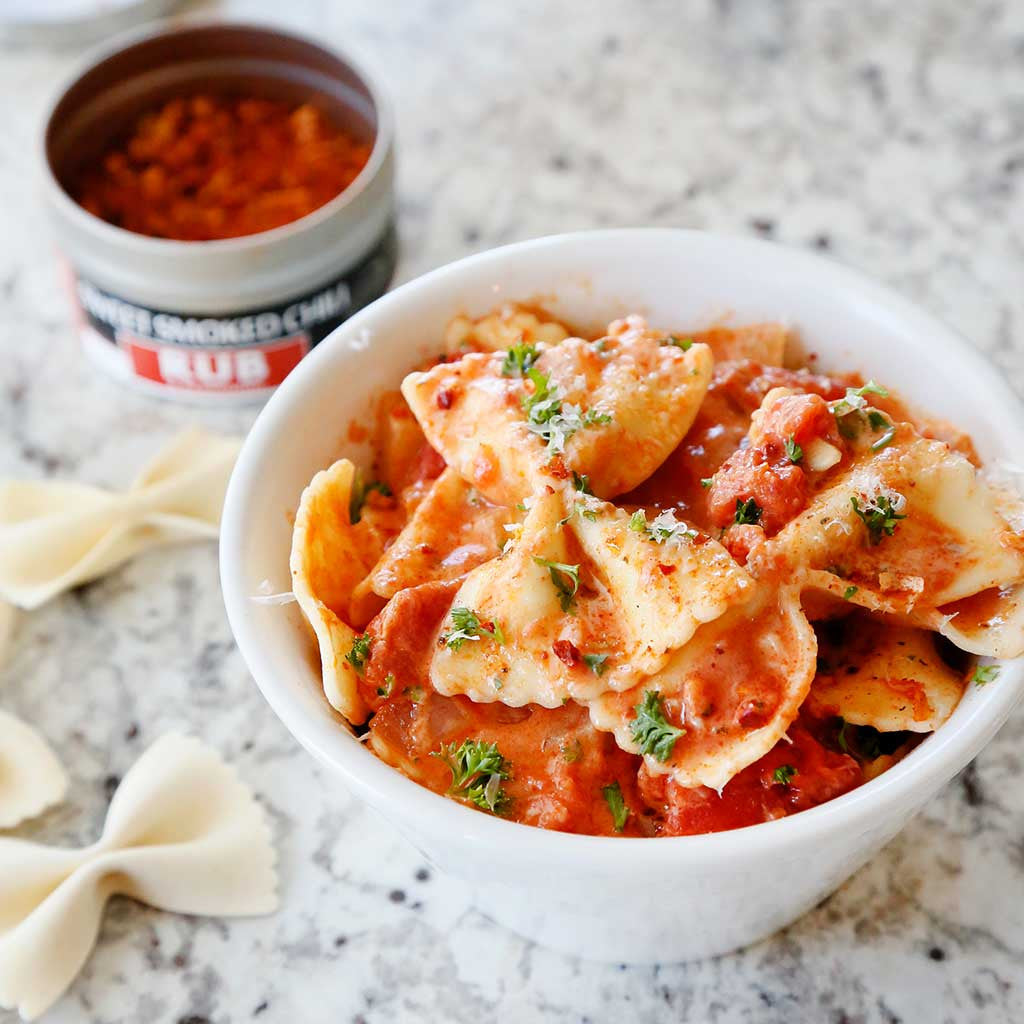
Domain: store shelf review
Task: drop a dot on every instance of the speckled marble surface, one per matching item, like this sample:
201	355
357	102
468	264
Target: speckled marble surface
893	142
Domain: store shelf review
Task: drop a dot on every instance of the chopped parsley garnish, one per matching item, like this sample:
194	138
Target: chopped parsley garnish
844	745
854	400
581	482
360	492
748	513
414	693
478	770
389	685
864	742
616	804
885	440
673	339
359	653
580	509
596	663
707	481
662	529
878	516
519	359
467	626
870	742
783	774
848	426
849	592
552	419
572	752
651	731
566	579
793	451
985	674
542	395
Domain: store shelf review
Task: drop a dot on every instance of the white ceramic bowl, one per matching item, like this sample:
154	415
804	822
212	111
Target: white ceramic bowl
628	900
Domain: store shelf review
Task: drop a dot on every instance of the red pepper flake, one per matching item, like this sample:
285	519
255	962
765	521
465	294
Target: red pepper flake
666	570
557	468
566	652
445	397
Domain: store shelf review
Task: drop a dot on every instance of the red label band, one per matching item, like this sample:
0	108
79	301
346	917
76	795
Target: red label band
214	369
244	352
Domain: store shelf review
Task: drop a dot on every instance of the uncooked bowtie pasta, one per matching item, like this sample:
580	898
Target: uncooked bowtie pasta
183	833
59	534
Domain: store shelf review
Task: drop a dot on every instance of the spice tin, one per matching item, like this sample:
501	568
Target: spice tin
218	321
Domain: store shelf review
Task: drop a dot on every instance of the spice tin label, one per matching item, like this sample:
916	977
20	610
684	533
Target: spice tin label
245	352
214	369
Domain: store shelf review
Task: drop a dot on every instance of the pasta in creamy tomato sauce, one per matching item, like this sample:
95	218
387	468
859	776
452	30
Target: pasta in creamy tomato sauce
655	582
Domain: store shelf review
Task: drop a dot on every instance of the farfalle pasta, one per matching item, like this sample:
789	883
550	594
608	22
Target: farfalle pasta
652	582
7	614
55	534
31	777
182	834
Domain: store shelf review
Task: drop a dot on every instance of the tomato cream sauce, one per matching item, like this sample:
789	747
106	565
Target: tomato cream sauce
737	389
764	443
562	764
761	792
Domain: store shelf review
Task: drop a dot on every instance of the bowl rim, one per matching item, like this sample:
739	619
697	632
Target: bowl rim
907	784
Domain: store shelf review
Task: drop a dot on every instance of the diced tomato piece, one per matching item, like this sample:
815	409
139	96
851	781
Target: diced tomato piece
778	487
739	541
766	471
746	382
801	418
793	776
402	638
558	764
430	465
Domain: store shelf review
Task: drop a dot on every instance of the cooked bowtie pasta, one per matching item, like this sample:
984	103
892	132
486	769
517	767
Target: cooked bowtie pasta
652	583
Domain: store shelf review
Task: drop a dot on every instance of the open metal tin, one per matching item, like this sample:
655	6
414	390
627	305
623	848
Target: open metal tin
225	320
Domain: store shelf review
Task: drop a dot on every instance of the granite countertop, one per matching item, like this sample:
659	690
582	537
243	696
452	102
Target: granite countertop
891	141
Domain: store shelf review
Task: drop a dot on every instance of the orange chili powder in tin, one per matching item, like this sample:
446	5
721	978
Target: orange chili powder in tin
206	167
